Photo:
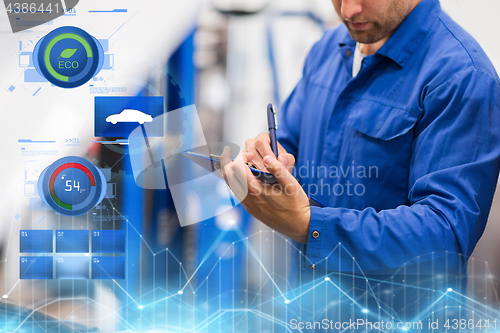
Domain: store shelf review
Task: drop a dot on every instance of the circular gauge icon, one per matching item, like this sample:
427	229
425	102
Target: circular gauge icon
68	57
72	186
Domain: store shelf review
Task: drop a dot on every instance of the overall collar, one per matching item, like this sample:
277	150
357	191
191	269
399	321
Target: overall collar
405	40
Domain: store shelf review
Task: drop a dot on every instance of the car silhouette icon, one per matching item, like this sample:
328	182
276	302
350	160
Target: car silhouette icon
129	116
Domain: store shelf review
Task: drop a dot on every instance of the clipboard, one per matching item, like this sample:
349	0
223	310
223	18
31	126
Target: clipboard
212	163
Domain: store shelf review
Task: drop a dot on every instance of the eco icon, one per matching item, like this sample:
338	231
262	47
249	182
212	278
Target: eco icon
68	57
67	53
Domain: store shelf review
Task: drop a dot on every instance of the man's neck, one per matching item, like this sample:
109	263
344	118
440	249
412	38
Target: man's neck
369	49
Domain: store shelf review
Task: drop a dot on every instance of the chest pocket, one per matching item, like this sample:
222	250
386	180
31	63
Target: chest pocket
378	137
380	121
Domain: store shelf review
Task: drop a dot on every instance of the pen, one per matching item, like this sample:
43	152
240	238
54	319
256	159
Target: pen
273	126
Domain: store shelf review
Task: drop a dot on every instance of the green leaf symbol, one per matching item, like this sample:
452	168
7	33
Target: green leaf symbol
67	53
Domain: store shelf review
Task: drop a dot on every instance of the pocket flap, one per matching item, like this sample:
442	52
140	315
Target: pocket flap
379	120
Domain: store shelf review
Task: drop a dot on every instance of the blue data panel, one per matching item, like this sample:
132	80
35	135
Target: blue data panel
118	116
35	241
108	241
72	267
39	268
104	268
72	241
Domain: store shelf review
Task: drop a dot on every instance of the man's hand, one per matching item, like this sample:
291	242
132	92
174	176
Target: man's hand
260	146
283	206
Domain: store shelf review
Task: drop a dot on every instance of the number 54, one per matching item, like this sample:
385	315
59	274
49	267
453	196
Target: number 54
69	187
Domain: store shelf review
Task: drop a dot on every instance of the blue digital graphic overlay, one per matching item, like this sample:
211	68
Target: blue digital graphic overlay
72	241
72	186
108	241
72	267
105	268
75	61
118	116
31	75
39	268
158	163
37	204
35	241
68	57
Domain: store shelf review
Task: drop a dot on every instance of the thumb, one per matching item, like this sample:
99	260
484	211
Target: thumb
275	167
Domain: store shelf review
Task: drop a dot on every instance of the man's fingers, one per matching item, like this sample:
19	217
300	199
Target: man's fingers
248	157
225	158
250	145
236	173
287	160
226	164
283	176
263	147
257	159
